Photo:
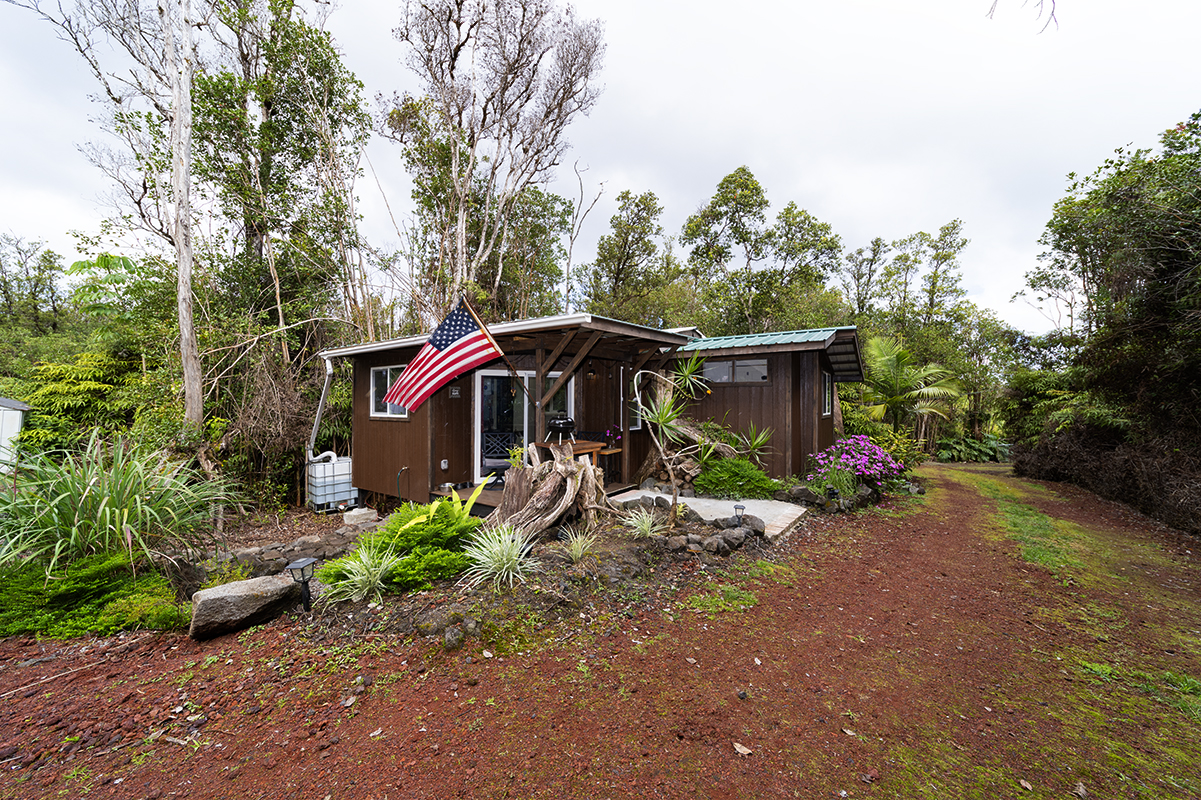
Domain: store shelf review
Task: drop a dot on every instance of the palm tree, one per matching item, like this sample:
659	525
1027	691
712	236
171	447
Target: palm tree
897	387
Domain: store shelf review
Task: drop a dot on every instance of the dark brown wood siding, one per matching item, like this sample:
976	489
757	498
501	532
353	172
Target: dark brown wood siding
389	452
807	409
452	431
767	405
598	408
825	423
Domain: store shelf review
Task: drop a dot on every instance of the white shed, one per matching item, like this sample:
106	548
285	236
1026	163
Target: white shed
12	417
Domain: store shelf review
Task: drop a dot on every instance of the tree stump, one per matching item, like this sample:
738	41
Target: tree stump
538	496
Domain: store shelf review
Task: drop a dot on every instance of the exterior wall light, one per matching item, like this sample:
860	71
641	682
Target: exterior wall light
302	573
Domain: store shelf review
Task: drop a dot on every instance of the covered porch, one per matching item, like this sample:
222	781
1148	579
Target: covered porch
578	367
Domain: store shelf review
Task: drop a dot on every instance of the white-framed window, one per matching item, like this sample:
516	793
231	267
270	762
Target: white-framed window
827	394
382	379
743	370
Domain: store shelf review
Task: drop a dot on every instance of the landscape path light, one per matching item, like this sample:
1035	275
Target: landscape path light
738	509
302	573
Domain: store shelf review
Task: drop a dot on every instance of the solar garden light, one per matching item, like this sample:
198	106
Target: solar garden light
302	573
738	509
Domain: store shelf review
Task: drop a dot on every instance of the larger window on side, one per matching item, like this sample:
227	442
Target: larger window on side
382	379
747	370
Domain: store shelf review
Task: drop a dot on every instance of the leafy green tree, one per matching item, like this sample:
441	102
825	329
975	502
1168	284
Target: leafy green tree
942	283
526	271
860	272
279	129
30	291
898	388
1127	241
755	276
635	267
519	276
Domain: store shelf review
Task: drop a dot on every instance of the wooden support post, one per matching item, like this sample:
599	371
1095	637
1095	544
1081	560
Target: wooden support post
536	395
624	416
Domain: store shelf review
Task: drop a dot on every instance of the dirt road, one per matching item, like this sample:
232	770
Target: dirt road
997	638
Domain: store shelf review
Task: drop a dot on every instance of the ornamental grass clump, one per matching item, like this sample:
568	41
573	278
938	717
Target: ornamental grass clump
642	523
110	498
499	554
580	546
851	462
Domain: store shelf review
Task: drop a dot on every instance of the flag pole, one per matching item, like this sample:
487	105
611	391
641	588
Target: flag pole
508	363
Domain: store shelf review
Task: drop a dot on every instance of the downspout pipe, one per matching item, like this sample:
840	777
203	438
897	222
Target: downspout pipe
329	379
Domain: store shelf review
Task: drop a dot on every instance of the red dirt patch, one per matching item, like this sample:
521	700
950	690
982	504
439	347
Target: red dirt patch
904	652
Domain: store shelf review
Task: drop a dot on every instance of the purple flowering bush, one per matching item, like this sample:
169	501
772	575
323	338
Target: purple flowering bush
853	461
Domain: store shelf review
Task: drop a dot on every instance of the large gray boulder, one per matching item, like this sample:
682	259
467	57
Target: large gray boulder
233	606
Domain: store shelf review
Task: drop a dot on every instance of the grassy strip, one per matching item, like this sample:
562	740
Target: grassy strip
725	597
1044	540
1181	692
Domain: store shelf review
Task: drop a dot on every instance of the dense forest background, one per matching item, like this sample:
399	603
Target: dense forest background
277	269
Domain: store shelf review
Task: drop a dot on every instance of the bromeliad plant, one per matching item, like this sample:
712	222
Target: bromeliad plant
851	462
499	554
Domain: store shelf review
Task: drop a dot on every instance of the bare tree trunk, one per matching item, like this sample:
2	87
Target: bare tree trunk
181	64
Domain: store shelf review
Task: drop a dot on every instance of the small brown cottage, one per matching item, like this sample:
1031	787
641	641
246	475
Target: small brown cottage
581	366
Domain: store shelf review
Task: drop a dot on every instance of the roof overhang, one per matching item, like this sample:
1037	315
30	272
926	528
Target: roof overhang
841	346
528	334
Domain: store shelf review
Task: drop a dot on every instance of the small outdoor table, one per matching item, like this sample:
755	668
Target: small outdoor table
580	447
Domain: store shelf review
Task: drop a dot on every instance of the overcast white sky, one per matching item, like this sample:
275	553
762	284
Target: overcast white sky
881	117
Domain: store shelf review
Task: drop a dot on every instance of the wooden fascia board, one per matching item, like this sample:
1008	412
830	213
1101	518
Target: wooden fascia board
643	334
567	373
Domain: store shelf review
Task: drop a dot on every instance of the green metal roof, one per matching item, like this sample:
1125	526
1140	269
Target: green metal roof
842	351
763	339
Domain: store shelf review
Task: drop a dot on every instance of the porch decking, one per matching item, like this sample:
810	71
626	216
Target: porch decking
490	498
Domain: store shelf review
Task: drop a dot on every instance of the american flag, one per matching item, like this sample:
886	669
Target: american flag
455	346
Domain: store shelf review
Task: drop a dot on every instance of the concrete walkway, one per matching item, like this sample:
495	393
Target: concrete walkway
778	518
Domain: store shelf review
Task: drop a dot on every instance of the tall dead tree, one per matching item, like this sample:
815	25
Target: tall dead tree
505	78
